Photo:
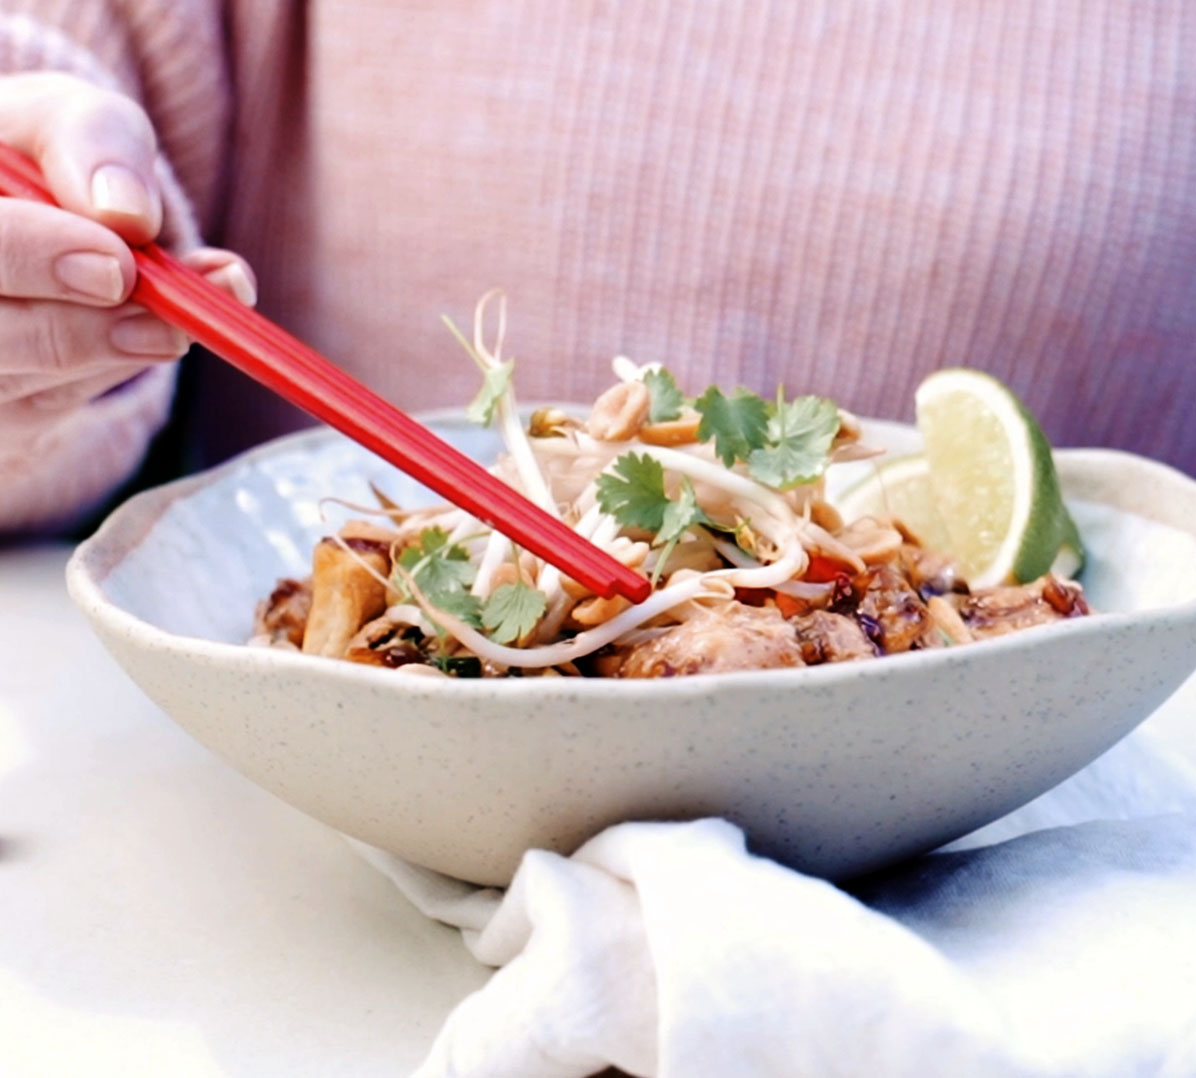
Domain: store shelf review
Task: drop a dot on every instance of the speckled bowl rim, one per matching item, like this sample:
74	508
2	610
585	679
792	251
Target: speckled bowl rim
119	535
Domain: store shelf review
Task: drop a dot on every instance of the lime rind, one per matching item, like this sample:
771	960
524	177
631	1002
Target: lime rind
1052	536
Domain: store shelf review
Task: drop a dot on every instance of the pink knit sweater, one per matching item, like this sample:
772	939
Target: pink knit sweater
838	194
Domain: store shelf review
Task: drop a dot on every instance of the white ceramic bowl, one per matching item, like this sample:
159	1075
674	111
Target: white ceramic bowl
835	769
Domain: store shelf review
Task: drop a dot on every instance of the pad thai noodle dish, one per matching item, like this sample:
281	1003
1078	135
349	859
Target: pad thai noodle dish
718	500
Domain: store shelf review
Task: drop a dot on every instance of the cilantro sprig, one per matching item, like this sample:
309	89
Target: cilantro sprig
633	493
738	424
784	444
799	438
679	517
436	565
496	379
495	382
443	573
512	611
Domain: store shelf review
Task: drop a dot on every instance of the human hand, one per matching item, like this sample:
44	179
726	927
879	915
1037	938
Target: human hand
67	332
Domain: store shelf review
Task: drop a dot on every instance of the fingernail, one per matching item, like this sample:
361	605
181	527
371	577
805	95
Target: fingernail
237	281
91	274
117	189
145	335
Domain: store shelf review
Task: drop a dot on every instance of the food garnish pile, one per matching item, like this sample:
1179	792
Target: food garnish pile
719	500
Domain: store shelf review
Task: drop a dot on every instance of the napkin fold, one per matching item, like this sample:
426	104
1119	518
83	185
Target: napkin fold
1060	941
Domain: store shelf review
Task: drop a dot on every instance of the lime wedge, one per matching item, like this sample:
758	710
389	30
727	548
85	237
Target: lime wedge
993	481
898	489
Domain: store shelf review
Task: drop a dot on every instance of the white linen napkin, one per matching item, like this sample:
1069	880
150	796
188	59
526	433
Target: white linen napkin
1060	941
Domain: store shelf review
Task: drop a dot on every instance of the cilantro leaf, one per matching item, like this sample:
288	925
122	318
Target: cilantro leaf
461	605
666	398
800	434
633	492
438	567
495	382
681	515
738	424
512	611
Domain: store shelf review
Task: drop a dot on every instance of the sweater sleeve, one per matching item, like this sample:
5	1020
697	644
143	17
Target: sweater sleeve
166	54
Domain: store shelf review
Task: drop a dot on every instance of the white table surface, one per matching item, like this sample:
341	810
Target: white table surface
159	914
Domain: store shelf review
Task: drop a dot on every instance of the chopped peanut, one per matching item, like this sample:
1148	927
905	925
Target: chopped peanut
598	611
620	412
872	541
682	431
947	618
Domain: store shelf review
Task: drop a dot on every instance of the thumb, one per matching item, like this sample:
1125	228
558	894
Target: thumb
96	149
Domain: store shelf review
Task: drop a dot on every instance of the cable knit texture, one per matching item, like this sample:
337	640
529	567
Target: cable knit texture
838	194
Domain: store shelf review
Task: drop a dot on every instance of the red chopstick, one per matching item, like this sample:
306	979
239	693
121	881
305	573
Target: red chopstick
284	364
